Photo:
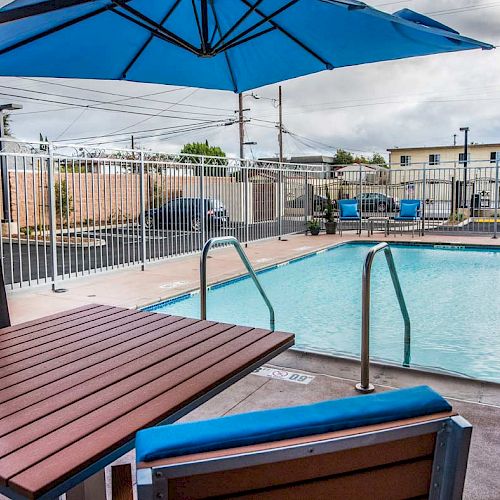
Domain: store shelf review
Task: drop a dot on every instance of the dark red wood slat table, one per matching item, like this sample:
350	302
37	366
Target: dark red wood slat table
75	387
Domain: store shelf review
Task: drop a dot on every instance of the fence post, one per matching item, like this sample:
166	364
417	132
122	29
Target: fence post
495	223
246	188
360	205
424	183
142	182
202	201
280	204
52	214
306	201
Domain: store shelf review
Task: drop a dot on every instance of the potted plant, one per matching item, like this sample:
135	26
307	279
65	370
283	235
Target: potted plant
314	227
330	222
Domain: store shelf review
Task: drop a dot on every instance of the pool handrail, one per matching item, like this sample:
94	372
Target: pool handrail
229	240
365	386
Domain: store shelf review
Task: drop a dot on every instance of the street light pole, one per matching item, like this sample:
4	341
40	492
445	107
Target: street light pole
466	152
4	169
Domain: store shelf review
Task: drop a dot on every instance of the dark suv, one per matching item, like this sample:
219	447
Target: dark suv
187	213
377	202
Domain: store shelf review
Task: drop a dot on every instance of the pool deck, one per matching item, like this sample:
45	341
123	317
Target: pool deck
477	401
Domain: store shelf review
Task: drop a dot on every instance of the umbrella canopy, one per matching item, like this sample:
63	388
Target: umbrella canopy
219	44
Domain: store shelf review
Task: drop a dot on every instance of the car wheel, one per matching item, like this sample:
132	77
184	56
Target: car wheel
195	224
382	207
149	222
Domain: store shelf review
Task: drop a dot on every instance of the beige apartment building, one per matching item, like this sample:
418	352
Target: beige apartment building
446	156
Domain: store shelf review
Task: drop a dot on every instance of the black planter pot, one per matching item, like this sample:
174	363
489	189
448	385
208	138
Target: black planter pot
331	227
315	231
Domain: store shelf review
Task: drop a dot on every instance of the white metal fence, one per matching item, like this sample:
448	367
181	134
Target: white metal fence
82	211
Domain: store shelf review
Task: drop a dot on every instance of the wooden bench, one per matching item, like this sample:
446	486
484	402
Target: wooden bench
418	457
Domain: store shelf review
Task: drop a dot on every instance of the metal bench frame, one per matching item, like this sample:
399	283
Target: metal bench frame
448	472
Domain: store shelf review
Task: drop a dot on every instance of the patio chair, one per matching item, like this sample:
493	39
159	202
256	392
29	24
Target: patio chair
348	212
397	444
409	213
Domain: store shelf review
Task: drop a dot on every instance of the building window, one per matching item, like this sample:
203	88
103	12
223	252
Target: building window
461	158
494	156
405	161
434	159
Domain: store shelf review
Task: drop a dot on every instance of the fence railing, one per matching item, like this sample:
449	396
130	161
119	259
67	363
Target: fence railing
70	211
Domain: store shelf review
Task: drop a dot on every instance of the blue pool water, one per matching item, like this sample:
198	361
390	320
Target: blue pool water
453	297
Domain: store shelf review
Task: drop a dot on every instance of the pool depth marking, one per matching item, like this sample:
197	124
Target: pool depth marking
282	374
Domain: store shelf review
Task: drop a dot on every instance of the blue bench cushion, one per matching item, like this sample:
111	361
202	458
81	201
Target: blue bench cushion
285	423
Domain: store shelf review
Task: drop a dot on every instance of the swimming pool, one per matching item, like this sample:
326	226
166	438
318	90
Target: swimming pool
452	294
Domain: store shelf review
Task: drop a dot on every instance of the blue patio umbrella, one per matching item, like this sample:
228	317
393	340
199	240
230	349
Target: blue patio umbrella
218	44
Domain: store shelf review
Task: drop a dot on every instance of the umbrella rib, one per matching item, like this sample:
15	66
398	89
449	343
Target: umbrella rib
39	8
198	25
237	23
148	28
294	39
154	27
226	55
148	41
234	43
266	18
54	29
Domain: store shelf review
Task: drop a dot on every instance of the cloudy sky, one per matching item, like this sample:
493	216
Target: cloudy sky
365	109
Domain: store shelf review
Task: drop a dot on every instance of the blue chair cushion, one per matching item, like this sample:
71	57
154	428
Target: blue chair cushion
285	423
349	211
409	209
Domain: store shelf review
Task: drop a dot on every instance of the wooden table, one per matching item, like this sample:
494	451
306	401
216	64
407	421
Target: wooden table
75	387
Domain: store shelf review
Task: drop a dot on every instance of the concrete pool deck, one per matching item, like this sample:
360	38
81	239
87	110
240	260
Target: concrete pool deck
477	401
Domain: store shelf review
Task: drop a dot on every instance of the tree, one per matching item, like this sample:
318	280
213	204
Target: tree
214	157
64	201
7	124
378	159
343	157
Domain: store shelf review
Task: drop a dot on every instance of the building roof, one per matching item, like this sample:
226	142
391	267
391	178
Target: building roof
495	145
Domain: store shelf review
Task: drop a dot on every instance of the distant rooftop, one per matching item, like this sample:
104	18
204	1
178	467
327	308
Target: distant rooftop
458	146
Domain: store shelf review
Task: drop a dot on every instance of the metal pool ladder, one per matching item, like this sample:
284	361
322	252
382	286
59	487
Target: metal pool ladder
364	385
229	240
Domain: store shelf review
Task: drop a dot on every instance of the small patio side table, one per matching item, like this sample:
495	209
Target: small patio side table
373	220
75	387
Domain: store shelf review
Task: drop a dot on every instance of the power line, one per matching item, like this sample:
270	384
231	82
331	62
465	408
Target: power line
166	134
106	103
71	123
151	117
88	106
463	9
143	97
100	136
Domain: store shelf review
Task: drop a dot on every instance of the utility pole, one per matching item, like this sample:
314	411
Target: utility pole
132	141
454	139
240	121
280	133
